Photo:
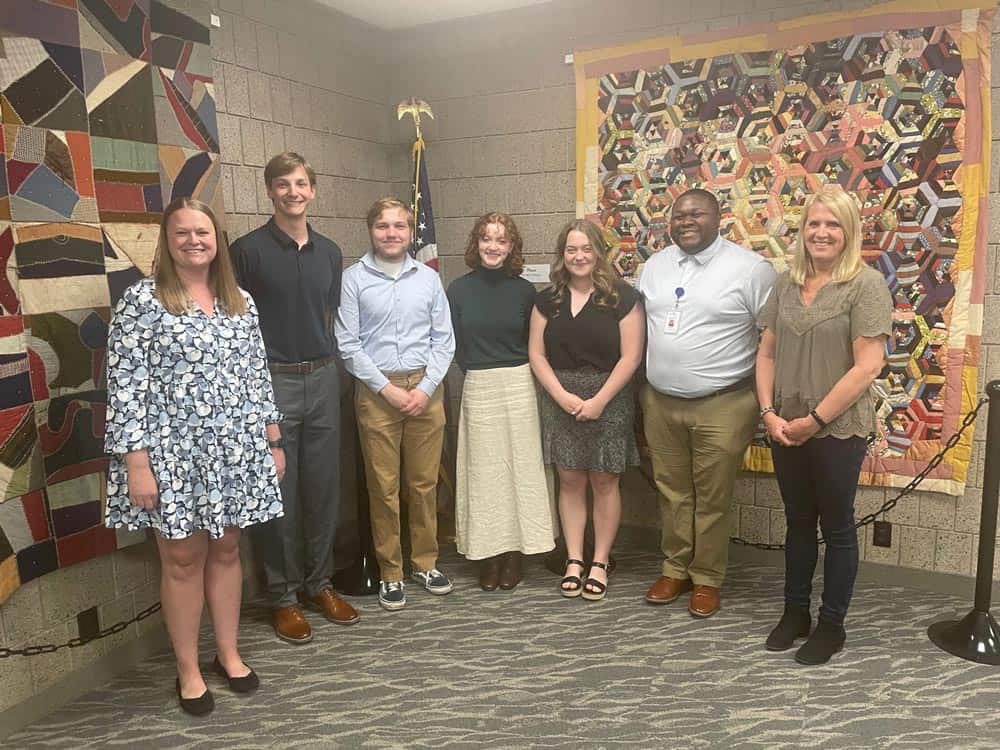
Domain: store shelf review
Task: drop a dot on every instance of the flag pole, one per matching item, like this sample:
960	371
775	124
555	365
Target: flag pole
414	108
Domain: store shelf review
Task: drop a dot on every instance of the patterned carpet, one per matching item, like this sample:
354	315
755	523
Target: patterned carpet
530	669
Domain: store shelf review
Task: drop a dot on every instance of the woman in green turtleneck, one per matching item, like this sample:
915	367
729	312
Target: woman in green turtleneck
502	507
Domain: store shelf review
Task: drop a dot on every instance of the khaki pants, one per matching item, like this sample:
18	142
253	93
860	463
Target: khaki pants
696	446
408	449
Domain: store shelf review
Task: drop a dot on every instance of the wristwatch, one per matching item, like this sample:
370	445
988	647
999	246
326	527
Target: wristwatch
279	443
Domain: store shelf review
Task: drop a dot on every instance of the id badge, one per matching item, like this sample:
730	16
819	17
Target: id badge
673	322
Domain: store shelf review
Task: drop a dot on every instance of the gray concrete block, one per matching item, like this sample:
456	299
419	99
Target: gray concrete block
953	553
917	547
754	523
274	139
556	147
323	205
129	565
245	42
15	681
118	610
559	192
228	197
238	225
264	204
281	101
267	49
937	511
259	85
219	85
237	91
49	669
991	303
231	6
252	136
68	591
22	614
301	104
223	39
230	143
245	190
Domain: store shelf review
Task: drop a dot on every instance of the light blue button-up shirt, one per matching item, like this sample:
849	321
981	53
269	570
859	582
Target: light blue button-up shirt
387	324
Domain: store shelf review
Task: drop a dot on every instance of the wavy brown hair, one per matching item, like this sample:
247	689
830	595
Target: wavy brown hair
605	294
514	262
170	289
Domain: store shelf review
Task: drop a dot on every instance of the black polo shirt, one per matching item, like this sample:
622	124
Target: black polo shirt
297	291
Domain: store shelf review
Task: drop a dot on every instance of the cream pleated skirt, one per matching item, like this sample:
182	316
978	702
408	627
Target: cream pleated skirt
502	499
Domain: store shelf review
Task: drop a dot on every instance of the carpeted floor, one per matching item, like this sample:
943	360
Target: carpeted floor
530	669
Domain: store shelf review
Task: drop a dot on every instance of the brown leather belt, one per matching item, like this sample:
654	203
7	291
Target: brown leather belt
739	385
299	368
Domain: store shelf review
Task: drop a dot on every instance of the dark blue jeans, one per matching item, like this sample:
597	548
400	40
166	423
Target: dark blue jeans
818	481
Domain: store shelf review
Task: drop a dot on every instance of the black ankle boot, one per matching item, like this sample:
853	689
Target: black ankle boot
795	623
826	640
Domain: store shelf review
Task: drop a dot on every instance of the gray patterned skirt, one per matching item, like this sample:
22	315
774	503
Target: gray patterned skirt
606	444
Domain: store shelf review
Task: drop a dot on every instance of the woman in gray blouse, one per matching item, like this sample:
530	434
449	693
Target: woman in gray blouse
826	326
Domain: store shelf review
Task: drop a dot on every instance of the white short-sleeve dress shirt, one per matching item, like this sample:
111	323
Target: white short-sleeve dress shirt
701	316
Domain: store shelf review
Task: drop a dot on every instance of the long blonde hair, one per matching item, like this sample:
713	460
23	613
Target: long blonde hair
605	294
170	289
844	208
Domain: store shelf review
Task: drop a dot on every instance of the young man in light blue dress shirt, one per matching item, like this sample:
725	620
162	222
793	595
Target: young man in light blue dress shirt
395	336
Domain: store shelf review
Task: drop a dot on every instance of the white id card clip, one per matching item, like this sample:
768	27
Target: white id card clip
673	322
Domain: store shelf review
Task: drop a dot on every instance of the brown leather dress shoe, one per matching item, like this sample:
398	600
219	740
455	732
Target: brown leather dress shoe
666	589
332	607
489	573
704	601
511	572
290	624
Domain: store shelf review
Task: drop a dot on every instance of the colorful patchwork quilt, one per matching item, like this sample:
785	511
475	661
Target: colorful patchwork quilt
892	103
107	113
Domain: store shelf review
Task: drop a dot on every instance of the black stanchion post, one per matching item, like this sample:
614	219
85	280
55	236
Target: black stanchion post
976	636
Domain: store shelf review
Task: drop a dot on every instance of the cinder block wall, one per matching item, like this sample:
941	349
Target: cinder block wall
504	139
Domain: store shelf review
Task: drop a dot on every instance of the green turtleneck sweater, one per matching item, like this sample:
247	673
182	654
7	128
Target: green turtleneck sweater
490	312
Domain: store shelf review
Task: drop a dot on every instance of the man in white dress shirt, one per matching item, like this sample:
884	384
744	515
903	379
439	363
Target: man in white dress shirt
702	297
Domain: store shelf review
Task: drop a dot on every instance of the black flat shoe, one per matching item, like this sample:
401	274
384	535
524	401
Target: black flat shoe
245	684
200	706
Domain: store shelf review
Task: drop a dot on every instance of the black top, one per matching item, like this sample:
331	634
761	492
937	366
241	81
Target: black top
592	338
297	291
490	312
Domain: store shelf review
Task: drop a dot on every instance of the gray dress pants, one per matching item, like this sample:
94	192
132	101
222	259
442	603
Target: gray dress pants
297	549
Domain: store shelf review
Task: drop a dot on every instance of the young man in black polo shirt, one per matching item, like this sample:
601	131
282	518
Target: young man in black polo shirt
294	274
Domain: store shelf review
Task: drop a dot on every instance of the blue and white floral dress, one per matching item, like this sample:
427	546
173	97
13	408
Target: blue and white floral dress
194	391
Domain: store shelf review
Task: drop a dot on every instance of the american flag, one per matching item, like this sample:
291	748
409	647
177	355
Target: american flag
424	247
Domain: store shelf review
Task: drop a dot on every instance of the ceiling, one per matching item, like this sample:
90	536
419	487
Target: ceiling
401	14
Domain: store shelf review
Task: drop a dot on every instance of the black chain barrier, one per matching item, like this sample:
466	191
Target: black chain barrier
889	504
51	648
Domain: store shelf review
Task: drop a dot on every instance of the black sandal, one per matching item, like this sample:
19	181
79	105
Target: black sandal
602	588
577	582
